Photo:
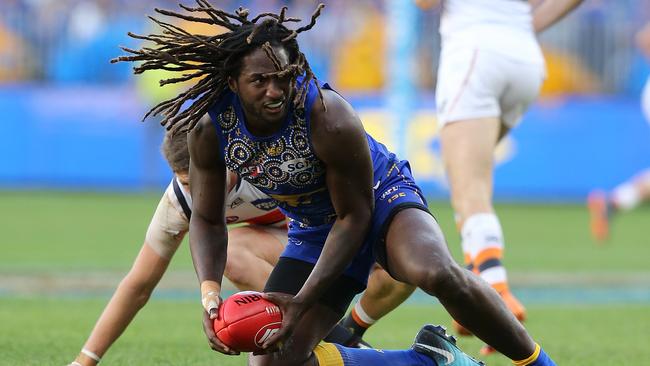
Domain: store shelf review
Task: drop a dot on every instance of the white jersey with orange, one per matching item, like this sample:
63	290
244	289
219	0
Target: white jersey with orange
170	223
491	64
502	26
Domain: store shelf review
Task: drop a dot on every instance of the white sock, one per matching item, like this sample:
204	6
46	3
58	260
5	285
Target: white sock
358	309
480	232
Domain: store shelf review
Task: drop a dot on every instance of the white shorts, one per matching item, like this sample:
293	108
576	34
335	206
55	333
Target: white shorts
475	83
645	101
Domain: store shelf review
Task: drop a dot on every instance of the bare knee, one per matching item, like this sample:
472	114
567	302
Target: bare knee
381	283
446	281
238	266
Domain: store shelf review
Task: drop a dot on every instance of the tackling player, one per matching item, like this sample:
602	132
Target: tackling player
255	245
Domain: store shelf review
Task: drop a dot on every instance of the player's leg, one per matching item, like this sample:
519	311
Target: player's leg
253	251
303	347
624	197
130	296
630	194
468	148
416	253
472	84
382	296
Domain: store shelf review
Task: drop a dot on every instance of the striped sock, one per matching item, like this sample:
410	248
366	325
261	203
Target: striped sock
358	321
482	242
538	358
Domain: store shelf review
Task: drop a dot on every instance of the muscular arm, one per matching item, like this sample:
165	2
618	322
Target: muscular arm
164	235
340	142
550	11
208	233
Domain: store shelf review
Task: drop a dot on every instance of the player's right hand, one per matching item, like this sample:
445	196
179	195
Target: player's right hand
215	343
210	297
211	302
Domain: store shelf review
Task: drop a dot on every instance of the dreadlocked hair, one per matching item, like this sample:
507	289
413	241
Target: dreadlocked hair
212	59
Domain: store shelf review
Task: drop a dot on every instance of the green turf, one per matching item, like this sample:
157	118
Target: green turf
50	332
47	232
76	231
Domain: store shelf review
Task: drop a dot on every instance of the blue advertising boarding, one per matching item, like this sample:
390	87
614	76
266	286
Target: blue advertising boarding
92	139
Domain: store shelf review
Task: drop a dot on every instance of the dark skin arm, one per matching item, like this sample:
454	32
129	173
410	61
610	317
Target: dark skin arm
339	140
208	232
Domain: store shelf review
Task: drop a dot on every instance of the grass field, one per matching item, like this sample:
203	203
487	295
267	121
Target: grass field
61	254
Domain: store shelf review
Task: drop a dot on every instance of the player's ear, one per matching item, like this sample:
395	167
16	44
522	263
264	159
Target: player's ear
232	84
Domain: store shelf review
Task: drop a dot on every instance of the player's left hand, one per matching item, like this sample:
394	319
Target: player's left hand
292	311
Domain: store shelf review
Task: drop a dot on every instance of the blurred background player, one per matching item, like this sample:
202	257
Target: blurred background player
491	69
629	194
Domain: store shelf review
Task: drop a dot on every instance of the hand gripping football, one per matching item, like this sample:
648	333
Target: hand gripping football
246	320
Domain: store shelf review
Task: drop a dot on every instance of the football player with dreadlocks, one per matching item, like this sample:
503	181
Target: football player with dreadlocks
259	111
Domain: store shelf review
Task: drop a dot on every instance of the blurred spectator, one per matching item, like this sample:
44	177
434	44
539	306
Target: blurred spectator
358	61
12	55
71	41
93	31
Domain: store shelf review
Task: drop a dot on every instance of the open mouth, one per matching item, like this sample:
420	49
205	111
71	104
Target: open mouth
274	106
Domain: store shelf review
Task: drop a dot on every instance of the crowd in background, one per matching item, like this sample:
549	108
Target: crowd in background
72	41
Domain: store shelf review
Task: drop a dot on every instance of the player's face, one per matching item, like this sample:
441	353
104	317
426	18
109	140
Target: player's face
265	99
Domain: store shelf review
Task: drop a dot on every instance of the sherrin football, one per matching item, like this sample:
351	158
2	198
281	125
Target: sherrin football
246	320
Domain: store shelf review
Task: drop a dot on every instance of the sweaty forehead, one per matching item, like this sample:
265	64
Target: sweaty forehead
257	62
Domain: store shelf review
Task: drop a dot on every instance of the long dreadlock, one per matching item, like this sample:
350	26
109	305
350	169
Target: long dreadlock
213	59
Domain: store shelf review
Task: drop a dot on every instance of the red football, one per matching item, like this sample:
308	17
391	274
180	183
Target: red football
246	320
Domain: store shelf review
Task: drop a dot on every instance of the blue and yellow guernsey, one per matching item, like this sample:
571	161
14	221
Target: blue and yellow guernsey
285	167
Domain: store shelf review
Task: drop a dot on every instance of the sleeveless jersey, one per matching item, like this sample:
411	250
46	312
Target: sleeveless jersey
284	165
244	204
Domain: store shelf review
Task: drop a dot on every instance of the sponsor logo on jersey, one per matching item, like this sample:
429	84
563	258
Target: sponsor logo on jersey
387	192
295	165
231	219
251	170
238	201
396	196
294	242
265	204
